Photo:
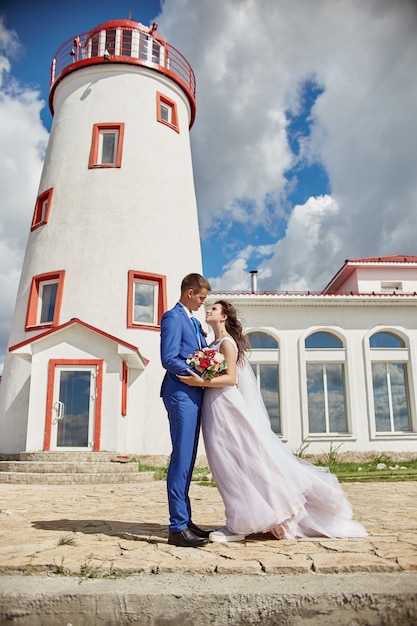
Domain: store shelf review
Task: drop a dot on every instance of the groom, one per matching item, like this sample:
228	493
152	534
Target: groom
181	335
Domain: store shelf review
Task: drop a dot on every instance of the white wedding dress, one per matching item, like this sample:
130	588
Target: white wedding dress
264	487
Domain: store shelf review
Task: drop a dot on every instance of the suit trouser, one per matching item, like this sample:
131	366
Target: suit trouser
184	423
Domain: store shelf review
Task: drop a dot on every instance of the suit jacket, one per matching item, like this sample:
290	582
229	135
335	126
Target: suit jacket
178	340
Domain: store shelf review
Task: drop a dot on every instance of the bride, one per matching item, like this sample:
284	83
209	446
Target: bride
265	488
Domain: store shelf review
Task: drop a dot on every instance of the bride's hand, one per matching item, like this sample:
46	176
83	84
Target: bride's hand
193	380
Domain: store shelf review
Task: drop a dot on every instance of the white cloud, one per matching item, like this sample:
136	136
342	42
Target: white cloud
251	59
9	40
240	149
236	273
23	141
302	258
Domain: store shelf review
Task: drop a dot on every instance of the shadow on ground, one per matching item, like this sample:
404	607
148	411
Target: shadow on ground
124	530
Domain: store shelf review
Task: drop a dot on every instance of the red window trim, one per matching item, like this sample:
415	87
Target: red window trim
162	297
125	382
50	397
36	220
160	97
97	128
32	310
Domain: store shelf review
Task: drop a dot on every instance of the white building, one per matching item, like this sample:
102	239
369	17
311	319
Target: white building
340	366
106	255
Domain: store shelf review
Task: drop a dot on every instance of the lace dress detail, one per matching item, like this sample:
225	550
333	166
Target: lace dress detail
264	487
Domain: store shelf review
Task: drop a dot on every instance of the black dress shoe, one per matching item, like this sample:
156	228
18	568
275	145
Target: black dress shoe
186	539
198	531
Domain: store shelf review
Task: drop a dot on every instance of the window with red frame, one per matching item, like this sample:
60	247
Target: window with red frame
146	300
42	209
45	299
106	145
166	111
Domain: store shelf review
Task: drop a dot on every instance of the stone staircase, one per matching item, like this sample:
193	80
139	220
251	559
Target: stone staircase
68	468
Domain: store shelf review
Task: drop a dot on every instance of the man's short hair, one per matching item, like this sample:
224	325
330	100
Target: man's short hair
196	282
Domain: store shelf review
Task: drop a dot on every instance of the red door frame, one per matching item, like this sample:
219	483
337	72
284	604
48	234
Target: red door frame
50	396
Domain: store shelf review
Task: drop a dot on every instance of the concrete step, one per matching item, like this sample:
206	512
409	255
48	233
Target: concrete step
79	456
73	478
364	598
67	467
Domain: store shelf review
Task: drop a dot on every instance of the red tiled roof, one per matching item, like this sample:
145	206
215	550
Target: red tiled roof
349	267
393	258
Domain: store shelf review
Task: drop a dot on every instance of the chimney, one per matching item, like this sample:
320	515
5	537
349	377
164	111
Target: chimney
254	281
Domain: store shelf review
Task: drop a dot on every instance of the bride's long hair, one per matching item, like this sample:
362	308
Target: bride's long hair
235	329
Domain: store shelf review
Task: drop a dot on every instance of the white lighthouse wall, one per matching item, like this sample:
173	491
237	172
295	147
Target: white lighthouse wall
104	222
14	401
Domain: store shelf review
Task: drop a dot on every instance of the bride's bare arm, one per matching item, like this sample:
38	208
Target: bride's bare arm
228	379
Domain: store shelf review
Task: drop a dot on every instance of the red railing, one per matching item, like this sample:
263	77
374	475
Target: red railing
123	41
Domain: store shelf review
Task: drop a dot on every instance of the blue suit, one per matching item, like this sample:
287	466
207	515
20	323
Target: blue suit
179	339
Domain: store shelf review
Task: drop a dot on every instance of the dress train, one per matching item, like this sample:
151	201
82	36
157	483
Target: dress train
264	487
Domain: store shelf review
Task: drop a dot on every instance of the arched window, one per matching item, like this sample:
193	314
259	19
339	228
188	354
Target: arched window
262	341
389	358
264	359
325	364
385	340
323	340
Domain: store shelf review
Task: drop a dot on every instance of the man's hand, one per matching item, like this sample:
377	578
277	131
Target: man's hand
193	380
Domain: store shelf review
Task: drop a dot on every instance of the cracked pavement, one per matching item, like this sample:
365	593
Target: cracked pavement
117	530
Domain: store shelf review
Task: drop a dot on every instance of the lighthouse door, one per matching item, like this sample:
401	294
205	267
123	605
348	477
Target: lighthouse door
74	407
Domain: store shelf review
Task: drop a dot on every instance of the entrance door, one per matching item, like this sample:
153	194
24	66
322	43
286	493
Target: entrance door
74	407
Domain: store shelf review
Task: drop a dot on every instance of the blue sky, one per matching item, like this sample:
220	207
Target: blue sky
43	26
303	145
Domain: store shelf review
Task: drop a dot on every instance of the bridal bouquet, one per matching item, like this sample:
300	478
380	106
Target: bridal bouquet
207	361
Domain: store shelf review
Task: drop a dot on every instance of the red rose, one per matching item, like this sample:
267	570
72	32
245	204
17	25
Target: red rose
204	363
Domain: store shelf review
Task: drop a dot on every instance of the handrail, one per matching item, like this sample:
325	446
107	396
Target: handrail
123	42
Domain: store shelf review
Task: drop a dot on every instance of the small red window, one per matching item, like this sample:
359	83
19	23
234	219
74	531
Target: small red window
106	145
45	300
146	300
166	111
42	209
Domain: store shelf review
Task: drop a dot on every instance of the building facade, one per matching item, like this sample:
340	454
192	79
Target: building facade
338	368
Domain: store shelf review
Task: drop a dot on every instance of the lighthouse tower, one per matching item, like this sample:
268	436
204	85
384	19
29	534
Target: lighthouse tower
114	231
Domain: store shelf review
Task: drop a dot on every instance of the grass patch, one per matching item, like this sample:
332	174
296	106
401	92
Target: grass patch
160	473
346	472
332	457
67	540
369	472
202	476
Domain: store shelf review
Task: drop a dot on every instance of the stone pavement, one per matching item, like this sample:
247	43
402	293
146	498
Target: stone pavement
112	531
97	529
